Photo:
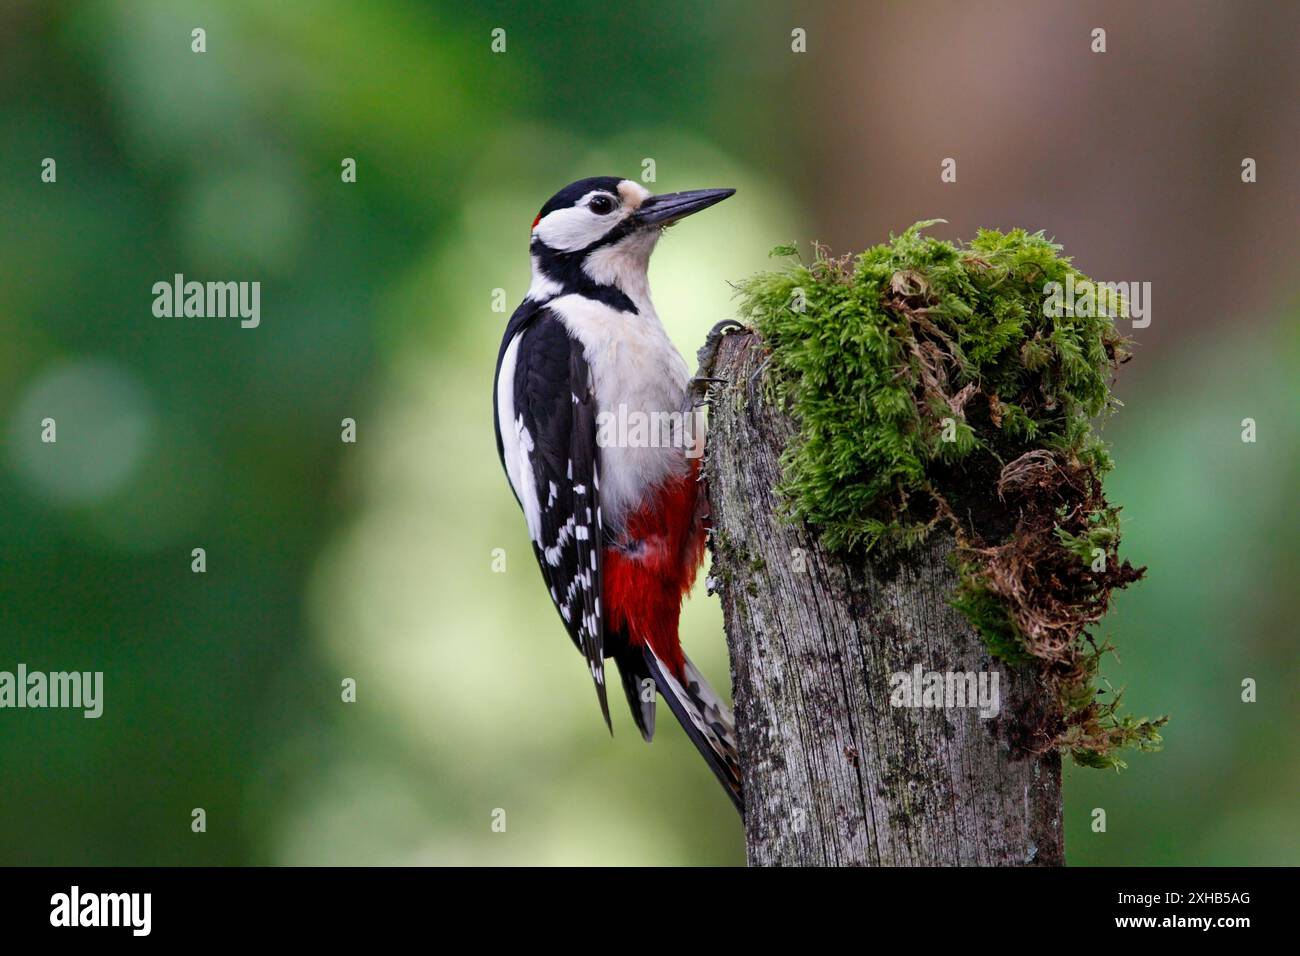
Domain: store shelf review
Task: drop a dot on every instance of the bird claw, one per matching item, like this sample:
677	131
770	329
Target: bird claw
697	392
709	350
697	389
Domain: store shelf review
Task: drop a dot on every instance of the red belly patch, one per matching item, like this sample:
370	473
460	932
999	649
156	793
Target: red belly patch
649	570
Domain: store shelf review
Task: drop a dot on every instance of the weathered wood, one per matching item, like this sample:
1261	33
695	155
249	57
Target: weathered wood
835	775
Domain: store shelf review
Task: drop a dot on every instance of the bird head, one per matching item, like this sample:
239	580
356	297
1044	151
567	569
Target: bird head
598	234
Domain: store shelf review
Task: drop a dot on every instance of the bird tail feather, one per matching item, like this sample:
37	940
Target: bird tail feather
705	717
639	687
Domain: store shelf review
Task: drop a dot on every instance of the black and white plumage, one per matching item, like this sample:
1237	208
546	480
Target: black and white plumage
547	418
616	526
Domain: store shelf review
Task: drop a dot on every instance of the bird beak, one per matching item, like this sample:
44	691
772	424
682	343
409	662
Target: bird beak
667	209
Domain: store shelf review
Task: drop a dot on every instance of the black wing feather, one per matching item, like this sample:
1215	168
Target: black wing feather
555	409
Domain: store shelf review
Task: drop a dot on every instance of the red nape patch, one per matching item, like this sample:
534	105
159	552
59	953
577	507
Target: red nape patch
536	221
643	587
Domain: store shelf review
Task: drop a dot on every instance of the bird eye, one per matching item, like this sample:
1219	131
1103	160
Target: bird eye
601	205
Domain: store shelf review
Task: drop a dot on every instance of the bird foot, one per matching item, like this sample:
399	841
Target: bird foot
708	352
697	389
697	392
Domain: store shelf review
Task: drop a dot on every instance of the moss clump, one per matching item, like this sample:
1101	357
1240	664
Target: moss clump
931	380
884	354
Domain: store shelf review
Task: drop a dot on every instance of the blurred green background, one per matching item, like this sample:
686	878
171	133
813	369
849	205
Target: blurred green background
374	560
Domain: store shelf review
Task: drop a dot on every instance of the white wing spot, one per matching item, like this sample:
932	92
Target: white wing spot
566	532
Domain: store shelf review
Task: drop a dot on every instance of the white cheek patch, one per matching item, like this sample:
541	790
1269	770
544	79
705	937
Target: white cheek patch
576	227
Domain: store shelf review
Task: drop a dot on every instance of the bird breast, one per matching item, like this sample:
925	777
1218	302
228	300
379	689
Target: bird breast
640	382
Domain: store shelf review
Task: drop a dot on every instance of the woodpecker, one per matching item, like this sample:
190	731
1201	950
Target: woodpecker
617	516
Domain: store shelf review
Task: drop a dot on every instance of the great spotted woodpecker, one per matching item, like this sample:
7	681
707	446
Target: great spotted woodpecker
616	515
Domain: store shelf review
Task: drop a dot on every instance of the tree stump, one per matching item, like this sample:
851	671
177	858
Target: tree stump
834	773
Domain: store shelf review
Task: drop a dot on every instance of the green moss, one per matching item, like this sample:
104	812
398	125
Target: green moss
989	617
874	353
1098	539
930	379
